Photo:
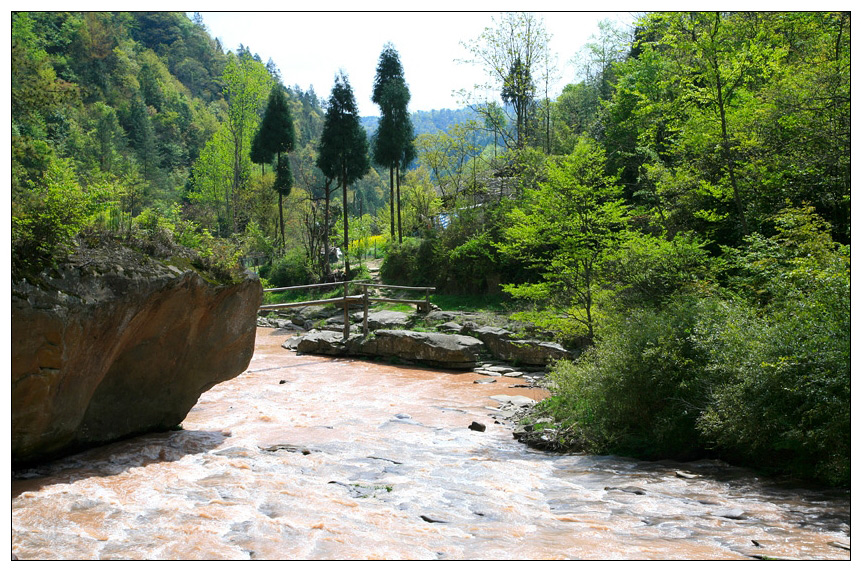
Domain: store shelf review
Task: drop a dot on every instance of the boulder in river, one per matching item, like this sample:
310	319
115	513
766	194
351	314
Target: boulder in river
449	351
326	342
113	343
504	346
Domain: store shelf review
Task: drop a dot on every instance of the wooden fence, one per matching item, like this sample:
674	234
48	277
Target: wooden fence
347	300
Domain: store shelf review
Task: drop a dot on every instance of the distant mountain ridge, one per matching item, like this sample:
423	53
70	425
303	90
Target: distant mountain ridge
428	121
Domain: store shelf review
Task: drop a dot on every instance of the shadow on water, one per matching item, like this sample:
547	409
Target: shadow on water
116	458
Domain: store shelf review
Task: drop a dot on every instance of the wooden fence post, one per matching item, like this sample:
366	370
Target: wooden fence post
365	309
346	314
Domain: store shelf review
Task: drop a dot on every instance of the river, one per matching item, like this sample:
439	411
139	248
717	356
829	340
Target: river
307	457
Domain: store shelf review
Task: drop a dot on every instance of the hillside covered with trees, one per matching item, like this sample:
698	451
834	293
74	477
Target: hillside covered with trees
683	210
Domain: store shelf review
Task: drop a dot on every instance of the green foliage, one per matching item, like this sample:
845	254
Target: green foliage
471	263
639	390
46	219
763	380
343	151
564	231
411	263
787	394
453	160
283	177
276	134
646	270
718	118
289	270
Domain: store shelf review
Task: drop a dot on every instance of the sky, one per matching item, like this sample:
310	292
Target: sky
309	48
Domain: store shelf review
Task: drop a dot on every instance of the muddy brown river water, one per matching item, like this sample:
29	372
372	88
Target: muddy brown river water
307	457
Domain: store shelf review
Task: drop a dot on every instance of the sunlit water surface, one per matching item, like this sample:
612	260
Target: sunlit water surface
306	457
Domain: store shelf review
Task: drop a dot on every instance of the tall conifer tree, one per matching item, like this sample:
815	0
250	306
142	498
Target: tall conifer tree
276	136
343	151
393	142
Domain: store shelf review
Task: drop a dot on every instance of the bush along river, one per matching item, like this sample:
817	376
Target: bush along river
311	457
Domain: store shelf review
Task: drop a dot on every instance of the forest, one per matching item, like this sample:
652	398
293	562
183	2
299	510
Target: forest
683	211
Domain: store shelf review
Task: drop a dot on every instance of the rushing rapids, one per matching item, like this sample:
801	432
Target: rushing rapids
307	457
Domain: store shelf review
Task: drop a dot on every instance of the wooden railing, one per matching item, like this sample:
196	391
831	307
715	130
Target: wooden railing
346	300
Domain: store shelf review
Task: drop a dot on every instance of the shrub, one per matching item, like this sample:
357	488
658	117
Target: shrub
784	396
46	219
762	377
640	389
646	270
769	388
412	263
290	270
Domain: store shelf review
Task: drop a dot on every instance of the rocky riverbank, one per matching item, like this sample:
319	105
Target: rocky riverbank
487	344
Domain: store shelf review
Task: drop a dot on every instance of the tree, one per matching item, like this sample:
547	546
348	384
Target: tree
519	91
141	136
449	156
276	136
211	175
343	150
317	186
258	153
283	186
495	120
393	141
514	54
564	230
718	61
246	83
408	154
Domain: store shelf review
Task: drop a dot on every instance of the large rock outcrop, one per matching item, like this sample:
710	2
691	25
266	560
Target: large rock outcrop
114	344
437	350
450	351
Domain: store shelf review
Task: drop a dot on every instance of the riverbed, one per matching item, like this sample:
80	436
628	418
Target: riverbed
308	457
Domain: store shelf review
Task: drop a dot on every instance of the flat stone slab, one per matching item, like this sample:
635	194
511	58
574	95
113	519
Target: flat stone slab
384	319
486	372
516	400
501	369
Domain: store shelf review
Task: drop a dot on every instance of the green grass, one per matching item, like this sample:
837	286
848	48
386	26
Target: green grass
472	302
406	308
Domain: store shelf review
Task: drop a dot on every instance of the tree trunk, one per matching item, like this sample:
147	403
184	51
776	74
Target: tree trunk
344	201
398	187
391	204
327	269
280	210
281	221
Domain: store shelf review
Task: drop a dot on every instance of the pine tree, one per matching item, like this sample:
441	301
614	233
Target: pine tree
259	154
283	185
343	151
395	131
275	136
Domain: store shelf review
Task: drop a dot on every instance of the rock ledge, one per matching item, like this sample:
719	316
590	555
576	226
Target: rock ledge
113	344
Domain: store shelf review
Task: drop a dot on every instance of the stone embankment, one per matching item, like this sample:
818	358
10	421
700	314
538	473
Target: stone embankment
114	343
